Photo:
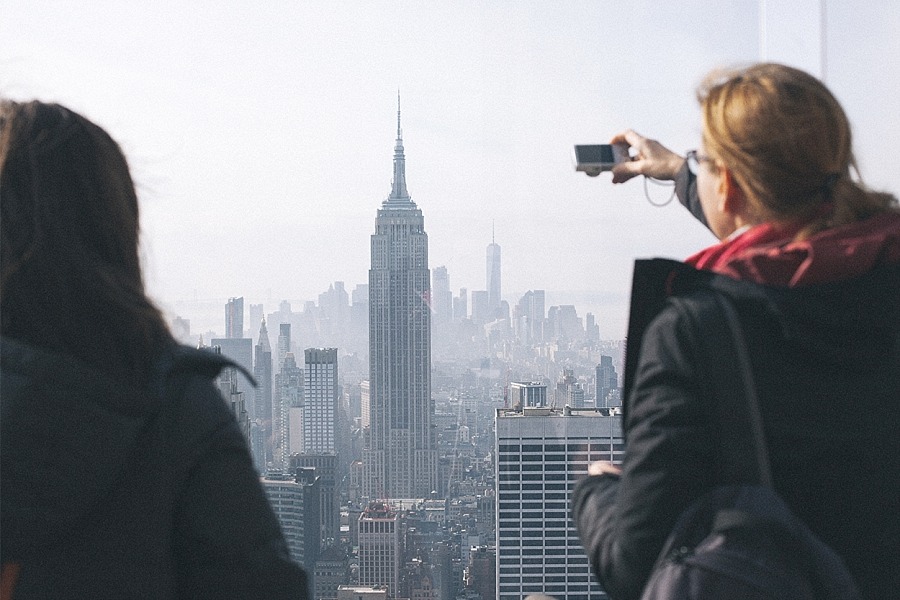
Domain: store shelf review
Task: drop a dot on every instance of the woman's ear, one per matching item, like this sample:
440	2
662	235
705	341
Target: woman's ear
731	198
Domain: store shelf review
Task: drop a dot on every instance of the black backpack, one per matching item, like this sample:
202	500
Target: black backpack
741	541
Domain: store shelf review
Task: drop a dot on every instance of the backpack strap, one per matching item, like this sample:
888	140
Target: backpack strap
727	377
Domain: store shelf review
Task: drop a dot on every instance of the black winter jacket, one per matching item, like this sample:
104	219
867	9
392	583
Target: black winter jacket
109	491
826	360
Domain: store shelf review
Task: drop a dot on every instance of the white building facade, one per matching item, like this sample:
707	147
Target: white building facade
541	453
320	389
379	548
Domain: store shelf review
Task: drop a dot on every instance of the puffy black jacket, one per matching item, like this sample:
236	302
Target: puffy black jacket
110	491
826	361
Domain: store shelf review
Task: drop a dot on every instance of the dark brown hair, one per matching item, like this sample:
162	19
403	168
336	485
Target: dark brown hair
788	142
70	275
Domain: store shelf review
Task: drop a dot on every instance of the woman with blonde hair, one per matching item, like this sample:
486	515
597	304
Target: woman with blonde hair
810	260
125	475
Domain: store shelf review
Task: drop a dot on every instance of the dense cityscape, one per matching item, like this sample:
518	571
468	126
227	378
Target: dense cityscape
420	443
395	375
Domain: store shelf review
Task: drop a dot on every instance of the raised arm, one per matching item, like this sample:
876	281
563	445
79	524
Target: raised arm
652	159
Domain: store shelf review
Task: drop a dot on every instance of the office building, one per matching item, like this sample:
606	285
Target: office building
481	312
365	403
607	382
461	305
481	571
564	324
320	389
332	570
441	296
240	350
541	452
529	317
257	314
530	394
311	483
326	469
286	498
234	398
234	318
287	396
262	372
493	281
401	456
284	342
380	552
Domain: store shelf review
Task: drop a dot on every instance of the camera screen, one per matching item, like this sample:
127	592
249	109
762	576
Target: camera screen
599	153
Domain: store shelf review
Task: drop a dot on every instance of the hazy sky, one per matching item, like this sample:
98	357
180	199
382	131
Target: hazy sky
261	133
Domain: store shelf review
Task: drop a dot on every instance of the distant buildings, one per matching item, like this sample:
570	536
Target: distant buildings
240	350
461	305
540	454
607	383
394	410
400	457
441	296
234	398
481	310
528	317
234	318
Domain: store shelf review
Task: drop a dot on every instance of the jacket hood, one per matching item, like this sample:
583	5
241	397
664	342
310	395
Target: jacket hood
845	324
68	433
767	253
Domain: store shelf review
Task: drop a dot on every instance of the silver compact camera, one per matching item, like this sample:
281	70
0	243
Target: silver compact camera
593	159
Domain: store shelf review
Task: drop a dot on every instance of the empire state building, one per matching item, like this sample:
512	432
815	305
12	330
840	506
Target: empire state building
400	458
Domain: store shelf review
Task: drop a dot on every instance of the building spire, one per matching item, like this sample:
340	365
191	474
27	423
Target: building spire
398	185
263	342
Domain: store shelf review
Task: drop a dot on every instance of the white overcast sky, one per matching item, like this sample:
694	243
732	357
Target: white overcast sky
261	133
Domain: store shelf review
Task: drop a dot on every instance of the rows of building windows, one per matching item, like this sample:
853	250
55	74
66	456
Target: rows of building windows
376	527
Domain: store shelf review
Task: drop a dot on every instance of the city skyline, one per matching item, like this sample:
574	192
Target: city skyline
255	135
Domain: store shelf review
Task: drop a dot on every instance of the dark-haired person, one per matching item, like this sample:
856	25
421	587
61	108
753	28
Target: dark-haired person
124	474
810	258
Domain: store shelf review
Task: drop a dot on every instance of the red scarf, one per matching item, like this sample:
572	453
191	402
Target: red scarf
767	254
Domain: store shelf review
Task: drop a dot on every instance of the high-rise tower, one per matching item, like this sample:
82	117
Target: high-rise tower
234	318
401	455
320	386
493	279
262	371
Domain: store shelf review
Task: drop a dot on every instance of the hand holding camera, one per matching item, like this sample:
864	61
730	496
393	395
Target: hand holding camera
647	157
